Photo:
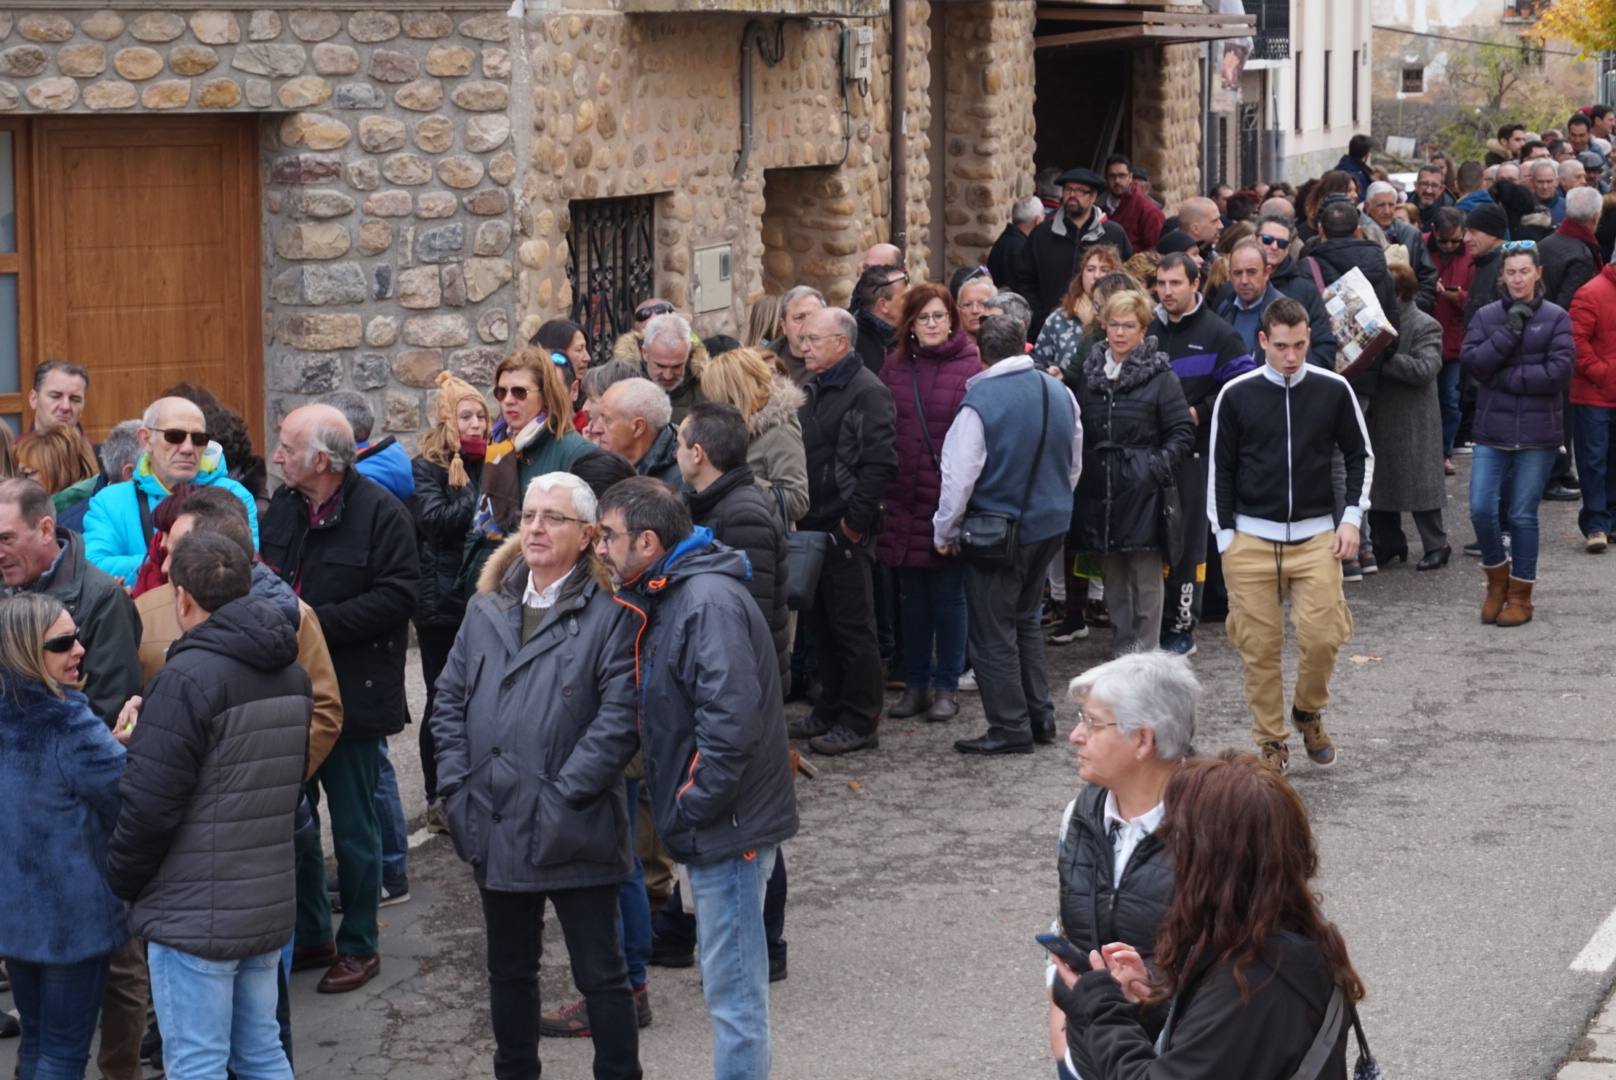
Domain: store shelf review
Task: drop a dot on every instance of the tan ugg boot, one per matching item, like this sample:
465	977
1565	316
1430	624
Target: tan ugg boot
1518	607
1497	592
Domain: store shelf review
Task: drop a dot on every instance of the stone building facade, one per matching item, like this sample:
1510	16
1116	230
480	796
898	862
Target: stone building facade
423	169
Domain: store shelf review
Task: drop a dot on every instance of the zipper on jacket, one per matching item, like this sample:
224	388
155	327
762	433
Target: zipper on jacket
1290	479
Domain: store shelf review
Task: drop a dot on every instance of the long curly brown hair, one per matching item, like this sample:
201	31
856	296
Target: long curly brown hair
1243	861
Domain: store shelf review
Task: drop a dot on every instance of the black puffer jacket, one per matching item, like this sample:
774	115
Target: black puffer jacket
442	518
1135	431
203	846
1215	1032
711	722
741	516
359	570
1321	343
848	428
1130	912
1050	256
661	460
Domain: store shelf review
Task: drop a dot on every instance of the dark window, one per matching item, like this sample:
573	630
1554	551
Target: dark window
611	266
1531	54
1413	80
1327	57
1355	87
1296	90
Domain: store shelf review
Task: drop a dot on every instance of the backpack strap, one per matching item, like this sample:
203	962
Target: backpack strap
1324	1042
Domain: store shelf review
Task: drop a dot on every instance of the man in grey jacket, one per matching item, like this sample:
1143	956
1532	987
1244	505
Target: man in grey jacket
716	756
533	720
203	845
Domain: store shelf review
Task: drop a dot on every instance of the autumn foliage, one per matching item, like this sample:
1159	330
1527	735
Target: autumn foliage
1588	24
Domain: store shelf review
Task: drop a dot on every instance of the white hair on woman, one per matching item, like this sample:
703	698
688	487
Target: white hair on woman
584	503
1156	690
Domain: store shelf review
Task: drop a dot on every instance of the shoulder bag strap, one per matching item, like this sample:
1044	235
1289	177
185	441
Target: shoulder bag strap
780	500
147	529
925	429
1324	1042
1318	278
1043	430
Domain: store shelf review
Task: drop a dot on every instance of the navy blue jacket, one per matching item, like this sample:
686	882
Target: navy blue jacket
1520	378
59	773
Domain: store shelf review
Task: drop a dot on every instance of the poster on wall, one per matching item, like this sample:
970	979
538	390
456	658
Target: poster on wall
1230	59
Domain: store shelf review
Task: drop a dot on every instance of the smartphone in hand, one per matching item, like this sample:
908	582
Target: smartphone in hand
1070	954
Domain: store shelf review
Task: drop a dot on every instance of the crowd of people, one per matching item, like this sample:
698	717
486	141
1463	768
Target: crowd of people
617	574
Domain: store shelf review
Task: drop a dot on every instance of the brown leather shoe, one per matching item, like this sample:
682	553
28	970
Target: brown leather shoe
309	957
1518	607
1497	592
350	973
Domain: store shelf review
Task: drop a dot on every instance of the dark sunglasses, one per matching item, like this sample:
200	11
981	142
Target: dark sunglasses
1274	241
61	643
519	393
174	436
651	311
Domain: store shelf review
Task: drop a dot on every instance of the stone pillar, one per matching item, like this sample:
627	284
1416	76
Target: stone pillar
1167	119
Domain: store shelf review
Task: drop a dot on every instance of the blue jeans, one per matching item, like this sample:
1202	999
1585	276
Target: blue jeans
735	961
1596	465
58	1005
217	1014
634	905
1516	477
1447	392
395	833
933	608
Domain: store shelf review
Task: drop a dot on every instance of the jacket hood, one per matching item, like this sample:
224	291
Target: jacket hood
661	453
504	557
505	572
212	469
251	629
1608	272
702	502
697	553
785	399
627	348
1144	364
268	584
1346	252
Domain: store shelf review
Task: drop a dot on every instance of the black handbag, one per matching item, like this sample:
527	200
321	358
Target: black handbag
989	540
805	558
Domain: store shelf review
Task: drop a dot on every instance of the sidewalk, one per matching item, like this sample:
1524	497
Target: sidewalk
1593	1057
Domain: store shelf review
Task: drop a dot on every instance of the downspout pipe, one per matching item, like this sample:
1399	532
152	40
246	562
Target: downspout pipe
755	33
899	164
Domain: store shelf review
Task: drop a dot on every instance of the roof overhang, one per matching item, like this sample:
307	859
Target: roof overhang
1067	24
843	9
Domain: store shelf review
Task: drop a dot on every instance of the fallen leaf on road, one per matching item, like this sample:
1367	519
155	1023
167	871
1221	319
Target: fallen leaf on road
1364	658
854	785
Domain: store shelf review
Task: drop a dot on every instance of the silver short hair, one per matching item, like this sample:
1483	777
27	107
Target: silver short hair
669	329
1029	209
645	399
1156	690
333	438
797	292
122	447
352	404
1540	164
1379	187
845	324
1573	171
584	503
1584	204
1014	305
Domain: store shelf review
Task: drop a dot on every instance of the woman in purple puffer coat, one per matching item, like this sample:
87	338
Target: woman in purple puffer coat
1520	351
926	372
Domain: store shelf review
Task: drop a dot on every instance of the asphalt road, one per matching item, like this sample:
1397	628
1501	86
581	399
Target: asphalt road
1467	837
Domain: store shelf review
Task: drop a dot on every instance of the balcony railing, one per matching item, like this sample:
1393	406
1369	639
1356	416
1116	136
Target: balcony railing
1272	40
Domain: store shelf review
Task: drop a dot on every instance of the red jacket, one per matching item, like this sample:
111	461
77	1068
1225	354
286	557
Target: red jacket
1140	218
1456	271
1593	329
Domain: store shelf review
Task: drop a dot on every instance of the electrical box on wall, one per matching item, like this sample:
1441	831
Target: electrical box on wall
710	286
858	46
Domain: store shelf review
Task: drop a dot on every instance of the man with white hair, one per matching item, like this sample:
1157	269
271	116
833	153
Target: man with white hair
346	545
1572	175
1005	255
534	719
1379	204
175	449
1572	255
1543	178
796	306
636	421
665	356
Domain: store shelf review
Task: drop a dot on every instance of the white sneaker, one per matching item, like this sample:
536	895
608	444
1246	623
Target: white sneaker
967	682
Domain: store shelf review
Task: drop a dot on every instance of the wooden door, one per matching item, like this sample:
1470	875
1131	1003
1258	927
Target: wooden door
146	259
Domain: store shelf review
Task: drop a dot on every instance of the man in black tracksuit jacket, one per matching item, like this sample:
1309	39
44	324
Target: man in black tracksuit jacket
1274	431
1206	353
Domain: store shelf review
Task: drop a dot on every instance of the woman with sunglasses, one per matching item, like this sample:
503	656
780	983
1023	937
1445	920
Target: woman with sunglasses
1135	723
59	773
1520	351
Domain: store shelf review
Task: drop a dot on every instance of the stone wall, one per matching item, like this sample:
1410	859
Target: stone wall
988	120
1167	103
388	157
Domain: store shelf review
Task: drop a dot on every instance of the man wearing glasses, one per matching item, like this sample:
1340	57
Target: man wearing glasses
175	449
1140	218
1055	247
1429	194
1276	233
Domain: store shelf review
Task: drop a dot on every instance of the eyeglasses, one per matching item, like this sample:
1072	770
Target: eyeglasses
932	317
516	393
61	643
1122	327
651	311
1520	245
815	339
550	519
175	436
1274	241
610	535
1086	723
